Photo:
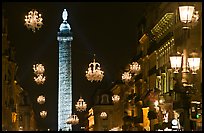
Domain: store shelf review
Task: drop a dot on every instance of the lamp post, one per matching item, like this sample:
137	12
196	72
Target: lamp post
187	88
181	61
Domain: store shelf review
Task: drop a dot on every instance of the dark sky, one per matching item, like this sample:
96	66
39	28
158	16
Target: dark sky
105	29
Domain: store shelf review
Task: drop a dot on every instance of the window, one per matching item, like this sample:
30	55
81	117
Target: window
104	99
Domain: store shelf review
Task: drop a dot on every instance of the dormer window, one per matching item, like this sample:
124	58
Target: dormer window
105	99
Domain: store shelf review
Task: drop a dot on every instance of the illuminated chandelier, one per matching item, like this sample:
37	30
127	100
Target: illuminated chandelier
135	68
40	79
73	119
33	20
43	114
126	76
115	98
103	115
38	69
94	72
41	99
81	105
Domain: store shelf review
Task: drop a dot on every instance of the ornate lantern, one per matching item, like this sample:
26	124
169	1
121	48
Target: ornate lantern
41	99
33	20
194	62
176	61
73	119
81	105
186	13
43	114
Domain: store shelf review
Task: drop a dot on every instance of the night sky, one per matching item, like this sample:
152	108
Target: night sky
105	29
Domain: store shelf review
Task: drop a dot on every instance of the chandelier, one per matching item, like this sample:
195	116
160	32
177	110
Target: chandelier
103	115
126	76
40	79
33	20
115	98
38	69
135	68
81	105
94	72
43	114
73	119
41	99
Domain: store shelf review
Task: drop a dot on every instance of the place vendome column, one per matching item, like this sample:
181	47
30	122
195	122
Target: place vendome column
65	74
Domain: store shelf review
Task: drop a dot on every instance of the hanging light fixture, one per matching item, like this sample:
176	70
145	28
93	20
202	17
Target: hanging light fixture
73	119
94	72
126	76
33	20
38	69
115	98
41	99
81	105
135	68
43	114
103	115
194	62
40	79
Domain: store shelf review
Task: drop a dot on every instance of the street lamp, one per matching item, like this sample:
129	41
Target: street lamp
186	13
188	16
175	61
194	62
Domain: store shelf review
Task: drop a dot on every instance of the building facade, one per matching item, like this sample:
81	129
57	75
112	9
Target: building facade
102	105
157	98
17	112
164	35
